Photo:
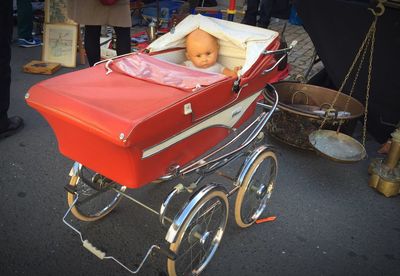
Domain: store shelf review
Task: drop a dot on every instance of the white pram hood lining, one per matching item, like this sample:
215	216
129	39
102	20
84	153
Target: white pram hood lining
235	39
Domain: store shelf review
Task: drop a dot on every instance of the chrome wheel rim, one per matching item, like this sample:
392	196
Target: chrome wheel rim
201	237
97	194
258	190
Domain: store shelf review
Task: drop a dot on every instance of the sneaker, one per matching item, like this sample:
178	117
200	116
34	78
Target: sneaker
29	43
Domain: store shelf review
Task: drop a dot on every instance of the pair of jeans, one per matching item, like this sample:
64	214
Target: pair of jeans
92	42
6	23
266	7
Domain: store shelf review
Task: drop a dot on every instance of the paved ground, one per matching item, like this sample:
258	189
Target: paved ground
329	222
301	57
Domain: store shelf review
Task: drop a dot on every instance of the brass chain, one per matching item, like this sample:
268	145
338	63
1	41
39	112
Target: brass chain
372	32
366	39
369	39
368	85
354	81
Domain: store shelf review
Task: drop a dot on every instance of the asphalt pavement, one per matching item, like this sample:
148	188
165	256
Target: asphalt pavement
329	221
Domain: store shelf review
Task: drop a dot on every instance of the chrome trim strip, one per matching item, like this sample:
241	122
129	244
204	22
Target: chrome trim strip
227	118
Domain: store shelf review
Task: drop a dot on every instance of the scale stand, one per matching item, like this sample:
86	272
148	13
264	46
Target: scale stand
385	173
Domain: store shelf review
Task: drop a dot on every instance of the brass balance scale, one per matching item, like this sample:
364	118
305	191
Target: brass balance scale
334	144
385	173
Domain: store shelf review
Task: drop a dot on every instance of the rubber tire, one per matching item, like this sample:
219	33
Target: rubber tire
78	214
174	247
246	181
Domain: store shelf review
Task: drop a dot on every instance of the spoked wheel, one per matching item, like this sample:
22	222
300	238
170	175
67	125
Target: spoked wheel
200	235
256	188
96	195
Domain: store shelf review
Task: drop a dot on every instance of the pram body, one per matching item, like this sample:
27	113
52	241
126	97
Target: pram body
131	129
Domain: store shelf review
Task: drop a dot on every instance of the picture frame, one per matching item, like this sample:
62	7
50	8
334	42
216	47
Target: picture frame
55	11
60	44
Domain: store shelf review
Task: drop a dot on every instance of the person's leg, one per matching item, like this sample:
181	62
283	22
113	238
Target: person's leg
6	22
123	43
92	43
8	126
265	12
25	25
24	19
250	17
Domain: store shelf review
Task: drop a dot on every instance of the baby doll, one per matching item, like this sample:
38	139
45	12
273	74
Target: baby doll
202	54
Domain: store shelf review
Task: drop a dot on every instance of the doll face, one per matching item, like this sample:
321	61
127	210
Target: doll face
202	49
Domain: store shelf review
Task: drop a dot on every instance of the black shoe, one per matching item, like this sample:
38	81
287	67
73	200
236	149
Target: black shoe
15	124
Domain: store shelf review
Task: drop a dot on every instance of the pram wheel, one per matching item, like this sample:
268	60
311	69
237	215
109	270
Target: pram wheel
257	180
96	195
200	234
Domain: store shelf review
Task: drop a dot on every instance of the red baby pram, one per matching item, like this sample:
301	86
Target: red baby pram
143	118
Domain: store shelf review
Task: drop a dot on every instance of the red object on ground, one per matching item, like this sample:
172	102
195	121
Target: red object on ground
267	219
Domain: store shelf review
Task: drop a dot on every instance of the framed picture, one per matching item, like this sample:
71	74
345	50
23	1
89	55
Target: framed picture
60	43
55	11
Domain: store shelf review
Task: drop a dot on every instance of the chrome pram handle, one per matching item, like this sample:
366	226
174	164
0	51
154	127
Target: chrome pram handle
284	51
281	51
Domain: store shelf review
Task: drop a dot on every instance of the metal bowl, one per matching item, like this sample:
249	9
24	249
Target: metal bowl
297	116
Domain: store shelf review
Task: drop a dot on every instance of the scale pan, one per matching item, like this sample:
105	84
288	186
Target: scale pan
337	146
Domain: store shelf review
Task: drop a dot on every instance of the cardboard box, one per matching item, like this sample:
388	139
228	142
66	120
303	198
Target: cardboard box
41	67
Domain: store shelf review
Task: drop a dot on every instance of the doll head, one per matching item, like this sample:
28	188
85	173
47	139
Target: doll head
201	48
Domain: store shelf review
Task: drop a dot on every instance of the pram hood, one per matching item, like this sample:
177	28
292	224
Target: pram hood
242	39
108	105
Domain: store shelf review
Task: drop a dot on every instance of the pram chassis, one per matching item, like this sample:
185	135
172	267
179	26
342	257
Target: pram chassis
180	226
